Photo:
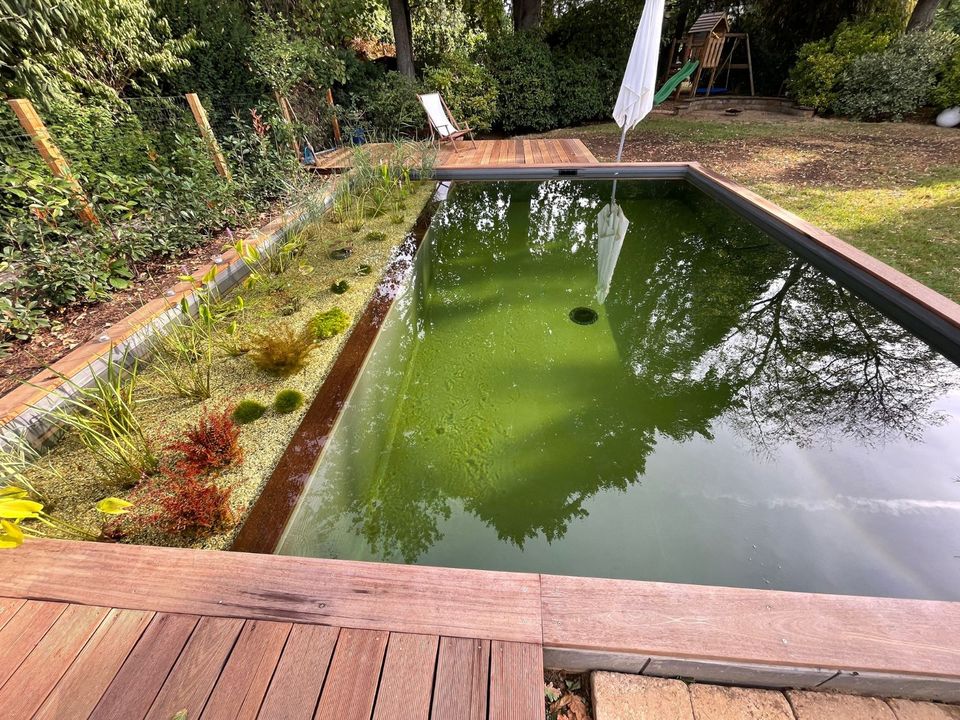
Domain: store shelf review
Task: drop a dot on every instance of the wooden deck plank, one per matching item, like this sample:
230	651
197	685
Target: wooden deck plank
527	152
295	688
27	688
190	682
79	690
584	153
462	680
351	685
374	596
9	608
143	673
21	634
243	683
762	627
516	681
407	678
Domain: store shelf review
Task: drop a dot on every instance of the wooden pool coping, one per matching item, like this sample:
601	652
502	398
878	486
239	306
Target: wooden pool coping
908	648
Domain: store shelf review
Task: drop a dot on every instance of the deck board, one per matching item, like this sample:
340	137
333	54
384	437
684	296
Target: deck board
243	684
425	600
195	673
351	686
26	689
462	681
407	678
516	679
135	687
76	694
24	631
295	688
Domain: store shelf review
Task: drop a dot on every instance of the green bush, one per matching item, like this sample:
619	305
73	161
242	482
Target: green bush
468	89
523	69
389	108
897	81
286	401
947	92
440	30
247	411
813	79
584	92
329	323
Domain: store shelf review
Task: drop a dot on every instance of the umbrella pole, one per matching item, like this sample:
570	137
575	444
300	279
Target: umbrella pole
623	137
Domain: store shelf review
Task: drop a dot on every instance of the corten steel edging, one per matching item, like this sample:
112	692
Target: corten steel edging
263	529
32	423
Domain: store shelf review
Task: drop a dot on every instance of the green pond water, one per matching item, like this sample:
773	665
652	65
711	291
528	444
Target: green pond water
733	417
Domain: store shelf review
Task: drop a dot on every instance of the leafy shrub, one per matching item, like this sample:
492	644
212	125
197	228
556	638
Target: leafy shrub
468	89
286	401
584	93
189	506
247	411
283	351
389	108
329	323
523	69
897	81
440	30
947	92
211	444
814	77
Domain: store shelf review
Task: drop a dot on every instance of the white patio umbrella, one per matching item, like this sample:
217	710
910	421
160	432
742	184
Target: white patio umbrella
640	79
612	227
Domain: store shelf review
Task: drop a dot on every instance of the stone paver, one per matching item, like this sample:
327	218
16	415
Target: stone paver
829	706
715	702
914	710
635	697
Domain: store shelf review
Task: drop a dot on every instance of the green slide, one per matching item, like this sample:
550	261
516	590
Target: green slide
670	85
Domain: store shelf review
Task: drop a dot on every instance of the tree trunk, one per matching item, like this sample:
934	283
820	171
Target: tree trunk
526	14
922	16
400	18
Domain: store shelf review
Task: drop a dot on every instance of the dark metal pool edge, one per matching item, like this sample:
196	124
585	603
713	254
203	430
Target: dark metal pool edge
267	520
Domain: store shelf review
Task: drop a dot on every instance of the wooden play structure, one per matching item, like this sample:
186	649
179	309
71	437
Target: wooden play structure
710	42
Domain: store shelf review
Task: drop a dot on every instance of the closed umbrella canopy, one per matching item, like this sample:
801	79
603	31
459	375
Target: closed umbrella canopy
612	227
640	79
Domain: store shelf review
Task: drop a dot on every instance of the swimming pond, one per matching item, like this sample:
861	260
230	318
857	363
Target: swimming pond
729	414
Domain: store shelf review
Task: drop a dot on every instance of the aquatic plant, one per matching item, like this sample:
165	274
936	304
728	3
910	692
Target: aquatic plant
292	248
20	466
283	351
189	506
375	236
287	401
16	506
183	361
339	287
329	323
364	269
213	443
103	417
247	411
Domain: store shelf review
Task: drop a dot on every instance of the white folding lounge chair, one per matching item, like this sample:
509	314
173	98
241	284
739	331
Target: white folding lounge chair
442	125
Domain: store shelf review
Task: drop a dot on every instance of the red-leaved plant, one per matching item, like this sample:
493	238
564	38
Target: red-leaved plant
213	443
189	506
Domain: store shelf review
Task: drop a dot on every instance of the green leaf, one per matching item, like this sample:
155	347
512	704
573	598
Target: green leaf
119	283
114	506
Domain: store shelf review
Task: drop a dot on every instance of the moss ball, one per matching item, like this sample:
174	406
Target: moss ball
247	411
340	287
287	401
375	236
329	323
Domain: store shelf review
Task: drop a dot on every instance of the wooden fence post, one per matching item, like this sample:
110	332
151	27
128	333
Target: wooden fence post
34	127
288	118
336	123
200	115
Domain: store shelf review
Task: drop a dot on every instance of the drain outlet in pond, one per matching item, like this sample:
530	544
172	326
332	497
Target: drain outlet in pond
583	316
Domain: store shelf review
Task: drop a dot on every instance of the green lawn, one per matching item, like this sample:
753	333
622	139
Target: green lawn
891	189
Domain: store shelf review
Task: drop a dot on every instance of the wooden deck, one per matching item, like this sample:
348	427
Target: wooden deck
227	635
88	628
486	152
